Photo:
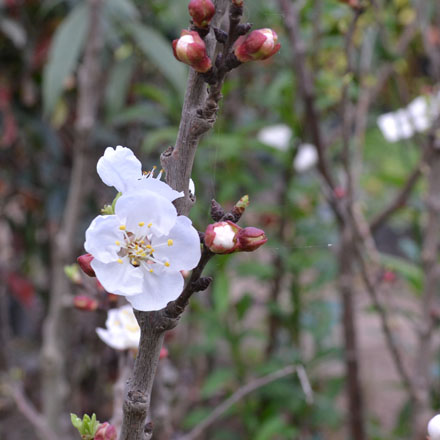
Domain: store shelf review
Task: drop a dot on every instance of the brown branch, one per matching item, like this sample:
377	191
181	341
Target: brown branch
198	116
399	200
27	409
56	325
236	397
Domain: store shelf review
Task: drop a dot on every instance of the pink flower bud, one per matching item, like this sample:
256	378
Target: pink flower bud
83	302
258	45
221	237
84	263
201	12
250	239
190	49
163	353
105	431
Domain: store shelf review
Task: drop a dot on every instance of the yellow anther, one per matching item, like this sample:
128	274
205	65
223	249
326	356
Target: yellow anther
142	242
154	167
170	242
151	270
117	243
150	224
122	227
141	224
152	250
119	261
167	264
134	263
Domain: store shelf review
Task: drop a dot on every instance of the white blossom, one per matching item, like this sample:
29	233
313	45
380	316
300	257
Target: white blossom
122	169
434	428
276	136
122	330
139	251
417	116
306	158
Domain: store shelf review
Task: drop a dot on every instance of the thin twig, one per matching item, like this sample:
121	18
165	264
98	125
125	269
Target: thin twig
28	410
56	325
236	397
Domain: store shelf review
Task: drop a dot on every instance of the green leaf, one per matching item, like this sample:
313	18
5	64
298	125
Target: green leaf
121	9
65	51
118	85
216	381
76	421
159	51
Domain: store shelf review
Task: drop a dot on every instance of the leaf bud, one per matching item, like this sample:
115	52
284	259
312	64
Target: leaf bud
240	207
250	238
201	12
258	45
221	237
83	302
238	2
190	49
84	262
105	431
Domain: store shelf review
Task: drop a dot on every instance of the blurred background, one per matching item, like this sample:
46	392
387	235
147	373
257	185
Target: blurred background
335	141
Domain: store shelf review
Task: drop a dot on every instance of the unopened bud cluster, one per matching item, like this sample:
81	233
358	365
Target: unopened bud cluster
190	47
226	237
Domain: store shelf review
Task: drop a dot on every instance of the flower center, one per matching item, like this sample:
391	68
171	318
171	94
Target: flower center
139	250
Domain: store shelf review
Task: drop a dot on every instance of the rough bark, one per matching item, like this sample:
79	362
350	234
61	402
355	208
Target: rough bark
198	116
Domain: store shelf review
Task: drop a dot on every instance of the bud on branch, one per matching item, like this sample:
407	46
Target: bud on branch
258	45
190	49
84	262
201	12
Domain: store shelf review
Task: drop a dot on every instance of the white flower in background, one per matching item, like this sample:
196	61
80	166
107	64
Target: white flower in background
139	251
122	169
418	116
306	158
122	330
434	428
277	136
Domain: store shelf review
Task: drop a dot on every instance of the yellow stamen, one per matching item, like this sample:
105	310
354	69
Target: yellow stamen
170	242
151	270
150	224
148	246
141	224
135	263
117	243
142	242
167	264
119	261
122	227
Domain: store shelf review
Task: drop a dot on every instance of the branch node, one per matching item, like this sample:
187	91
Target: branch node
217	212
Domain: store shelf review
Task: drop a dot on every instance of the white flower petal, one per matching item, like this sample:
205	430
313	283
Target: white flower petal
120	279
112	339
154	212
102	236
183	251
276	136
157	186
434	428
119	168
158	291
306	158
192	187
